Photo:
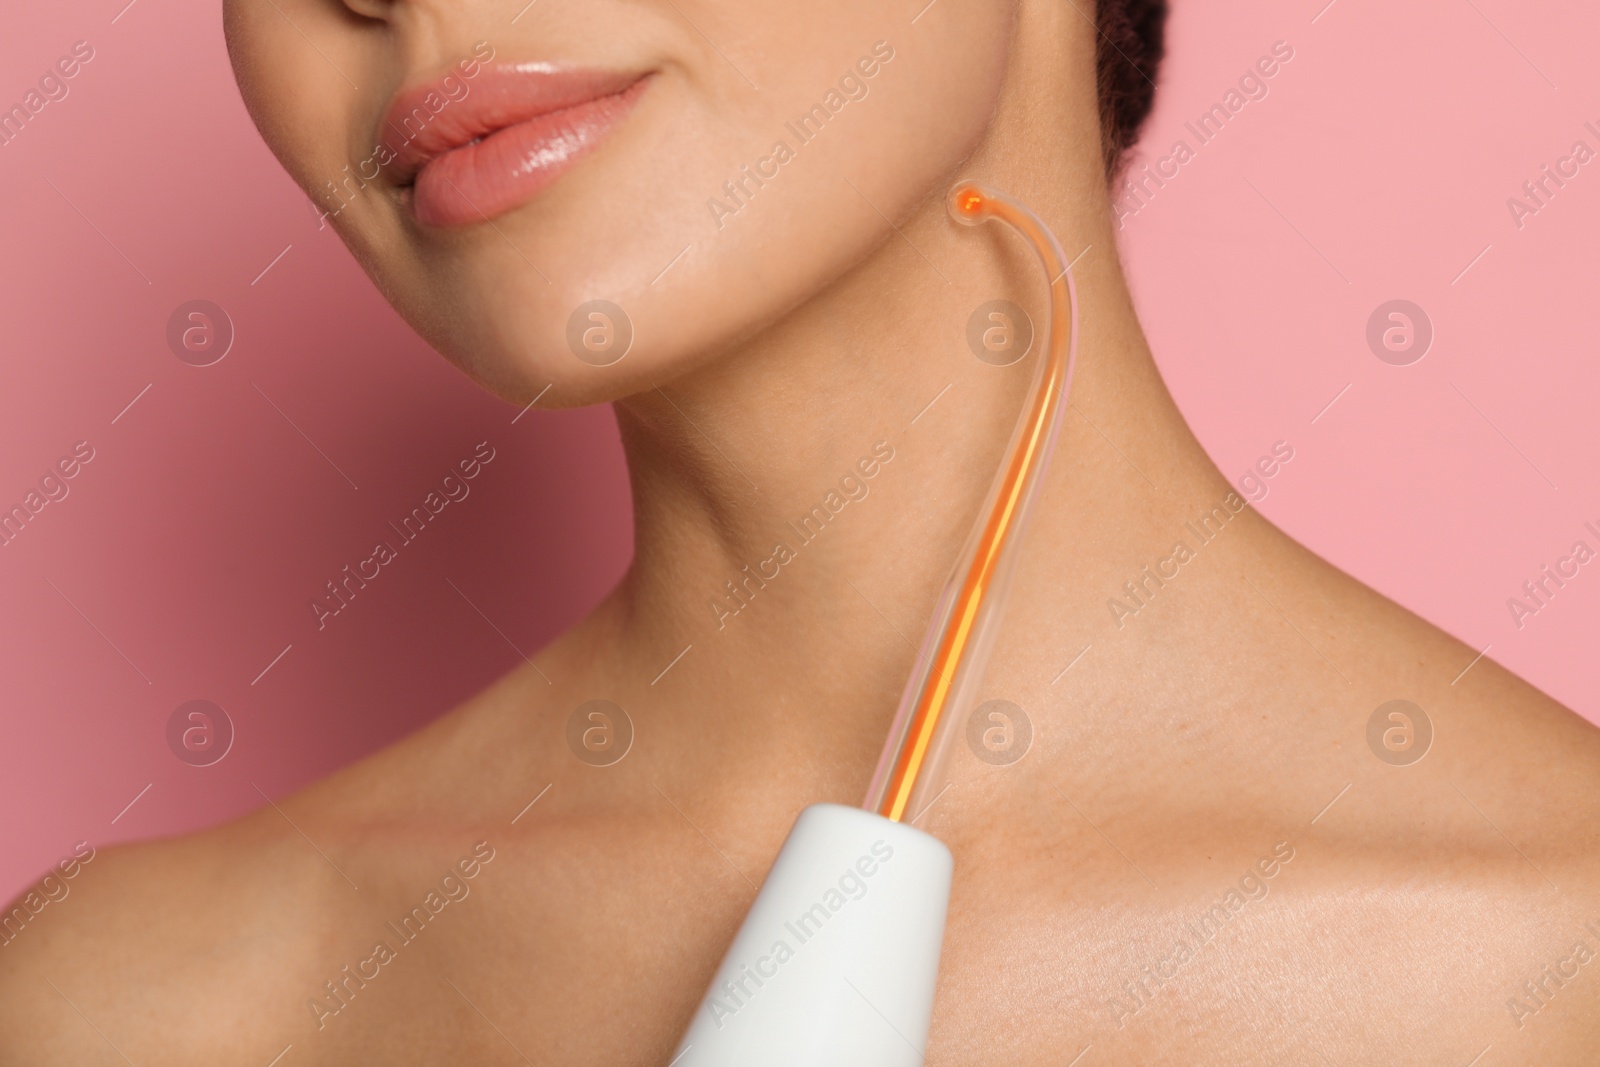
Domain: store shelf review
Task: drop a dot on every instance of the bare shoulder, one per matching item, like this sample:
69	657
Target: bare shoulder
176	950
1450	756
151	948
1405	706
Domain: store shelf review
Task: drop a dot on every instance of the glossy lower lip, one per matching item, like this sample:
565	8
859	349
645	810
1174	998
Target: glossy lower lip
515	131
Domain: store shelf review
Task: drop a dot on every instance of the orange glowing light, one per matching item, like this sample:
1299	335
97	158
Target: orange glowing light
960	633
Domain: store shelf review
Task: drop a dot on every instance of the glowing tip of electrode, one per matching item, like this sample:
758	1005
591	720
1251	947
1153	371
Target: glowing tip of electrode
967	203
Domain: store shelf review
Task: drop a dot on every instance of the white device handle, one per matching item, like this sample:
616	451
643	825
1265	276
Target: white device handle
836	963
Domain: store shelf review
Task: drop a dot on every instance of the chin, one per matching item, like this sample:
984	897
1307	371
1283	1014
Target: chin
605	283
586	221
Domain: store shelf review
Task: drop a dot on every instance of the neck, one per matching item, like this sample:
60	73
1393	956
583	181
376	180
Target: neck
800	500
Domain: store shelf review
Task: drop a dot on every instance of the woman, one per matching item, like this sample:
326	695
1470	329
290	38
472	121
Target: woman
1220	847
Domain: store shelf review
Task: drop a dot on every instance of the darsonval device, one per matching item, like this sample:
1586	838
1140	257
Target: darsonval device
836	963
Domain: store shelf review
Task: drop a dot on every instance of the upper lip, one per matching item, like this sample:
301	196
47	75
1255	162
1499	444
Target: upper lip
499	95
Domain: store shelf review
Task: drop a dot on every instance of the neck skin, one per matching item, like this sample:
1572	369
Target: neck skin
723	461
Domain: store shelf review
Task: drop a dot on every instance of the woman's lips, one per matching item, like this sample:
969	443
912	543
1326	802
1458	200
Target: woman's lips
516	128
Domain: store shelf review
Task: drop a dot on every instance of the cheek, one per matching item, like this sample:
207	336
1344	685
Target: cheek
633	223
305	108
751	252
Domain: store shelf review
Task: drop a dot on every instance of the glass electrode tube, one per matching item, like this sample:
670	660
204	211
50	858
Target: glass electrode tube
950	663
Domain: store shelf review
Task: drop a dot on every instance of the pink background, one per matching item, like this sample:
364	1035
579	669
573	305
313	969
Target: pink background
181	563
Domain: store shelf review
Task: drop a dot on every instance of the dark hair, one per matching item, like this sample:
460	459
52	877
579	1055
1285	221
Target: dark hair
1132	41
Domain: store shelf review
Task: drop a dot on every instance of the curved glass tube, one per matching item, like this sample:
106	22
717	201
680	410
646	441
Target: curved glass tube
954	651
